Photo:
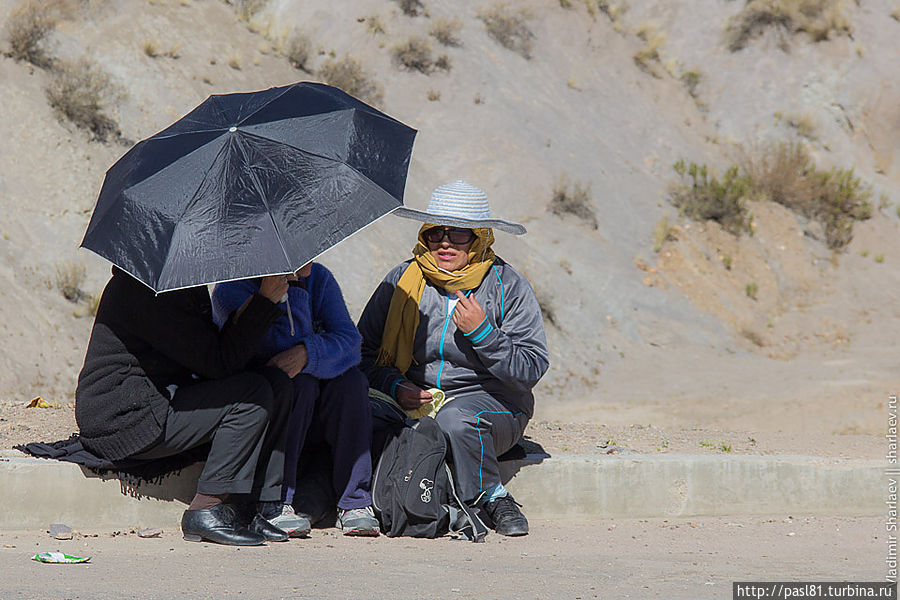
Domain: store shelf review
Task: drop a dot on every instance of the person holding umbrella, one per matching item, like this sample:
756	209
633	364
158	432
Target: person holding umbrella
318	339
160	378
246	185
458	318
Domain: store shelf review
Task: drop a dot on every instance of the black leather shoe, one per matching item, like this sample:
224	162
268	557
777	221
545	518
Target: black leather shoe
219	525
507	518
260	525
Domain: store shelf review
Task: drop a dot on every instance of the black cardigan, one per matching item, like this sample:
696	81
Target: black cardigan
141	344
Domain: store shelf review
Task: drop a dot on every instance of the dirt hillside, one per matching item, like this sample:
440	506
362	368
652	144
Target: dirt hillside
596	100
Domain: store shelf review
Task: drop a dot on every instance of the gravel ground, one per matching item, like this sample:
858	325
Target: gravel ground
21	425
585	559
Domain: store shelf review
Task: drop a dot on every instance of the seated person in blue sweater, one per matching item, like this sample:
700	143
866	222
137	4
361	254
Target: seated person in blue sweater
318	345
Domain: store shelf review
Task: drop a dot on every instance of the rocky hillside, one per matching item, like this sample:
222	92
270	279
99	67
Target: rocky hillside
570	114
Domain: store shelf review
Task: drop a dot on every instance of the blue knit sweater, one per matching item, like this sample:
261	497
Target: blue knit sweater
321	322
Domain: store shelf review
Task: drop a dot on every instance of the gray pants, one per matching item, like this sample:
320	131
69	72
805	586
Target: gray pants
244	418
479	428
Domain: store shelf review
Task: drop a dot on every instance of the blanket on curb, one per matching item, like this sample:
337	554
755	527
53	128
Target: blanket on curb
133	472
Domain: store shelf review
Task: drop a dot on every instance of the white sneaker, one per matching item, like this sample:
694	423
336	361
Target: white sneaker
358	521
295	525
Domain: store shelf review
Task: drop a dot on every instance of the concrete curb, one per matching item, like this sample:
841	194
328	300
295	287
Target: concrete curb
698	485
38	492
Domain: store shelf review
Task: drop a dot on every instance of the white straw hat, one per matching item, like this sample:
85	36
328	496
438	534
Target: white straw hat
459	204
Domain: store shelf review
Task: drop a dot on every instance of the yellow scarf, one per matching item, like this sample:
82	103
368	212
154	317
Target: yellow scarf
403	314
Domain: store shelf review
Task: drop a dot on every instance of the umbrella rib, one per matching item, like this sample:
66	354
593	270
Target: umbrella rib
328	158
298	149
188	206
262	196
268	102
355	109
352	168
222	129
285	90
373	112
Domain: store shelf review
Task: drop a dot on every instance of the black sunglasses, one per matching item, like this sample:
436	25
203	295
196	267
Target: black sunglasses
457	236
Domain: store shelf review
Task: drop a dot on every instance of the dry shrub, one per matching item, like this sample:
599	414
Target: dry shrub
603	6
751	290
298	50
27	28
545	303
152	48
779	172
751	335
69	278
414	55
662	233
752	21
442	63
509	27
691	80
247	9
785	173
704	197
446	31
374	25
805	124
817	18
547	312
411	8
90	307
79	91
574	200
174	50
649	52
348	74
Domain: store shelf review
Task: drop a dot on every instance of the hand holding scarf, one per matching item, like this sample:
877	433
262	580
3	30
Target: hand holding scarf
403	314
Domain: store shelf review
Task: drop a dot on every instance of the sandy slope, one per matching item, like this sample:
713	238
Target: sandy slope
636	338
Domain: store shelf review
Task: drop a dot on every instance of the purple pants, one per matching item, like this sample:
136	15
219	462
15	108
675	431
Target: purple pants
337	412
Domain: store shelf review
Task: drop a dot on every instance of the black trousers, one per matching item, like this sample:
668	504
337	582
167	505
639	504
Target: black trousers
243	418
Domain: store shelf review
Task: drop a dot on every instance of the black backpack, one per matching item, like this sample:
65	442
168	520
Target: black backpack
412	487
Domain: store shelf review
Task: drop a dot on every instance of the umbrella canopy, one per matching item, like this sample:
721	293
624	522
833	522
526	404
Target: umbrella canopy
249	184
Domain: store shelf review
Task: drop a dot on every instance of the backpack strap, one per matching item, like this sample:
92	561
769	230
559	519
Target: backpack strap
381	397
466	523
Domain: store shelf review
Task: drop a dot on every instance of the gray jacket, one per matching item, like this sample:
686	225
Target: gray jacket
504	357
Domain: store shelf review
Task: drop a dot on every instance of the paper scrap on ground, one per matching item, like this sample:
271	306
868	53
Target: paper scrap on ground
150	533
60	531
41	403
59	558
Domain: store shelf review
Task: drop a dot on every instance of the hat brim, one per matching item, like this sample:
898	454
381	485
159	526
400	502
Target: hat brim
418	215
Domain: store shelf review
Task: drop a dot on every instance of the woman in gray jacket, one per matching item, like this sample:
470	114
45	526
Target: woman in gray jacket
459	319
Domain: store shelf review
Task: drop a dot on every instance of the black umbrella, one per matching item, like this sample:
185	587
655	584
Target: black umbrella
249	184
